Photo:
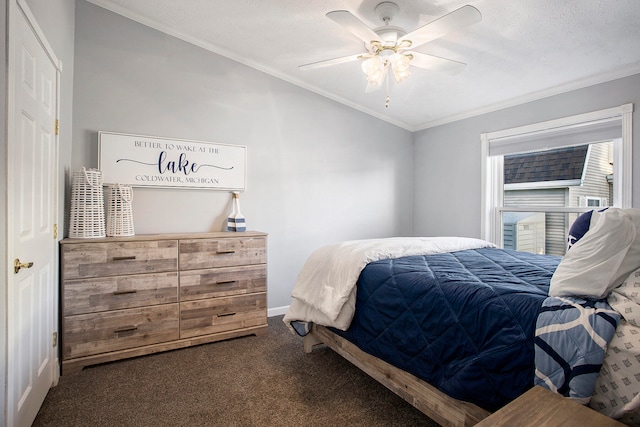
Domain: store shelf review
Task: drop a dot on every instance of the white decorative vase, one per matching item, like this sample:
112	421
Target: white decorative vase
86	219
119	212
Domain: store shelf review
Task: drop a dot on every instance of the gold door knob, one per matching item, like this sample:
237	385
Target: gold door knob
17	265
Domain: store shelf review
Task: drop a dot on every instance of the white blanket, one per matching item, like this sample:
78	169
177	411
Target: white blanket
325	291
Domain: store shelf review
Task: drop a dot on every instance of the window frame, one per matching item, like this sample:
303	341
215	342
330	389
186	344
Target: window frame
493	172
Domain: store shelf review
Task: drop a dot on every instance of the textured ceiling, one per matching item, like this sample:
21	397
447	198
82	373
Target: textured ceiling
521	50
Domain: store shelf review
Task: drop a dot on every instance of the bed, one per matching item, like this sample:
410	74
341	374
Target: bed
459	327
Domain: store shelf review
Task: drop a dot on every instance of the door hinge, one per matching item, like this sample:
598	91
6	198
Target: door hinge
55	231
55	339
57	127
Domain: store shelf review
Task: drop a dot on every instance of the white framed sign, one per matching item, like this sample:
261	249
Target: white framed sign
151	161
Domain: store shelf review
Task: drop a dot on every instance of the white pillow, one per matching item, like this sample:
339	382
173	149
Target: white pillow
595	217
598	262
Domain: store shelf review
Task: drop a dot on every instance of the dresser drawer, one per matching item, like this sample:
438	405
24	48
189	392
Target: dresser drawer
90	334
219	282
214	315
84	260
117	292
227	252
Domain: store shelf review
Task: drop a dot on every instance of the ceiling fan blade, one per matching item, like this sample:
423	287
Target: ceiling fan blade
452	21
329	62
353	25
435	63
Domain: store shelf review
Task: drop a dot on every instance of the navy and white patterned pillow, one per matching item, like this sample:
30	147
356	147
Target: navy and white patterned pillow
579	228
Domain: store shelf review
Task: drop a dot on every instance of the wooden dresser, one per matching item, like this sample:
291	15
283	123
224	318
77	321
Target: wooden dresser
129	296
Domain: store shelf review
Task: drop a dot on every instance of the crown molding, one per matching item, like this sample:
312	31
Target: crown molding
534	96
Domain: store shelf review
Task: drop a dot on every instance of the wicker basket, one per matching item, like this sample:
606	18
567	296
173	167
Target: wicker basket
119	213
86	219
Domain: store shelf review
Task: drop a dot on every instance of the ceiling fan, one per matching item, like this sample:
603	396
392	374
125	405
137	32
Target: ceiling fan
389	47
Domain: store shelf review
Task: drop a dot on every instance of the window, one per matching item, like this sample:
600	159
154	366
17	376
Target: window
595	202
538	178
579	176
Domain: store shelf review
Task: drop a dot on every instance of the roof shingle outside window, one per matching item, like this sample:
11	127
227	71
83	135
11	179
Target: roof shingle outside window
553	165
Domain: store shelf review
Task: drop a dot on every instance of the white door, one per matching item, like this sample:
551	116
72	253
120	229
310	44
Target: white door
32	188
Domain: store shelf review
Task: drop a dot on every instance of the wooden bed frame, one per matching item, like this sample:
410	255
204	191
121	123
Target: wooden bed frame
435	404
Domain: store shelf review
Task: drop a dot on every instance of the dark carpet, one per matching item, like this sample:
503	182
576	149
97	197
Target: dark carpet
250	381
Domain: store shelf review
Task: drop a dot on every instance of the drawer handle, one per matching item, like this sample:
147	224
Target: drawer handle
124	292
226	314
124	258
226	282
126	329
225	252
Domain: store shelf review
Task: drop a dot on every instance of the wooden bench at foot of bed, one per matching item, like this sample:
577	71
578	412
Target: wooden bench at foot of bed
441	408
540	407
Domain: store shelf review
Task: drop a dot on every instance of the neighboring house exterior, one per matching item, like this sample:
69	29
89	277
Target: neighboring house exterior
567	177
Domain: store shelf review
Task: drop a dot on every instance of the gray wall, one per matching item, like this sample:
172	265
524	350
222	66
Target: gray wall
447	197
318	172
3	209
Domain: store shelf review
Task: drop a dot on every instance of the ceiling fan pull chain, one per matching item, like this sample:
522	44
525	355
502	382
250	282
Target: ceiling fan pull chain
386	103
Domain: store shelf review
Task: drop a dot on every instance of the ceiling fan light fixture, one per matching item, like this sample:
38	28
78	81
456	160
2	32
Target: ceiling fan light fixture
388	46
400	66
375	68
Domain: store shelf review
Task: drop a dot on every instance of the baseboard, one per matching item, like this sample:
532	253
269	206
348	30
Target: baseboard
277	311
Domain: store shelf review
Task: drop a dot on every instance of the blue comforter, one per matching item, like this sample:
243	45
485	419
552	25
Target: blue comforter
462	321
